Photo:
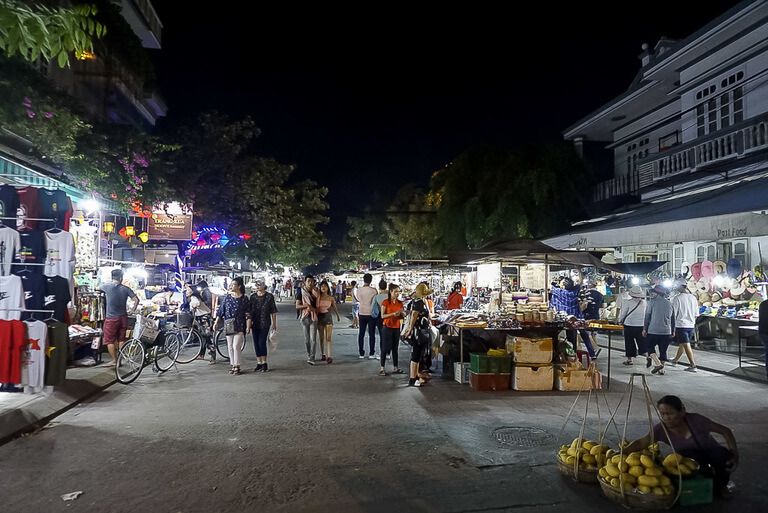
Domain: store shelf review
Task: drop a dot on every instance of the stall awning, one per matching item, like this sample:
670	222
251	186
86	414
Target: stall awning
722	212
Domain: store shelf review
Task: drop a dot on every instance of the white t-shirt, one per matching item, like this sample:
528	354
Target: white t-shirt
630	312
685	307
365	297
59	254
11	296
33	357
10	243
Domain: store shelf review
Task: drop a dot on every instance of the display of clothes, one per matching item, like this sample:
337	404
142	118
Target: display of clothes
11	297
33	353
91	307
34	293
10	244
86	245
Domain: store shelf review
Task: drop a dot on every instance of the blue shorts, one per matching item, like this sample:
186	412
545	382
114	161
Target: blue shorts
683	335
356	309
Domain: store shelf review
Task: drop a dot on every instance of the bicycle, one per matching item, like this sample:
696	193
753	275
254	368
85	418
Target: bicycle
196	335
140	351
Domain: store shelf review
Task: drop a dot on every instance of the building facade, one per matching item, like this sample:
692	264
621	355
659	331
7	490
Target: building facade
688	142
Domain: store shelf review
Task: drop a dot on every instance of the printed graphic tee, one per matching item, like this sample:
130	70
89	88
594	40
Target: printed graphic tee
56	353
57	296
9	246
53	205
9	203
34	294
11	296
59	254
29	207
33	357
31	250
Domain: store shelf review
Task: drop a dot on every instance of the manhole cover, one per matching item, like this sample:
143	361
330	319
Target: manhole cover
522	436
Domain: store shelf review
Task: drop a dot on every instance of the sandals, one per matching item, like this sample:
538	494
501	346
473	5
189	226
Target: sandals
329	360
627	362
397	371
382	372
235	370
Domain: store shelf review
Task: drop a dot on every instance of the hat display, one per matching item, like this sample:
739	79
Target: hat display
738	290
422	291
636	292
696	271
707	269
685	270
702	286
719	267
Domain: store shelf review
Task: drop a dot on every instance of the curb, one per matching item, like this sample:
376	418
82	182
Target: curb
37	413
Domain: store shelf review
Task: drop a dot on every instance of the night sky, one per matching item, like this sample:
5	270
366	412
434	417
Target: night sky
370	99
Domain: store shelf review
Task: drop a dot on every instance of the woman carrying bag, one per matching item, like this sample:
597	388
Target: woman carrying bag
234	310
418	332
632	317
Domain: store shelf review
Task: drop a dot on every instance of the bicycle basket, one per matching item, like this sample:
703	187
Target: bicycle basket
148	330
184	319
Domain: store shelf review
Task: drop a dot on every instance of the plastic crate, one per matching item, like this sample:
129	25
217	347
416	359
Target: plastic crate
461	372
484	364
489	382
696	490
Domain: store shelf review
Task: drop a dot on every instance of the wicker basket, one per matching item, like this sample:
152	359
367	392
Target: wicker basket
634	500
582	476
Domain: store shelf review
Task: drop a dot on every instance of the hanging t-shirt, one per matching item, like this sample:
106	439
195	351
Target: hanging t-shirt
67	214
9	203
33	357
59	254
56	354
57	296
34	294
31	250
53	205
9	247
29	207
12	338
11	298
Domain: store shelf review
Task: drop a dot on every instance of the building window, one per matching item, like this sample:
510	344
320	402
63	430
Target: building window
706	252
739	252
668	141
663	255
679	255
715	113
700	121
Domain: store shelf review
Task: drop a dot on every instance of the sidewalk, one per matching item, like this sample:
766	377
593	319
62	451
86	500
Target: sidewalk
20	412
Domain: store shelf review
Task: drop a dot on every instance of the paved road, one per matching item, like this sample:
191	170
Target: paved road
325	438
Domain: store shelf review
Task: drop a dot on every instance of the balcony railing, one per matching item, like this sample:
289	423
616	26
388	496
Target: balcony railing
737	141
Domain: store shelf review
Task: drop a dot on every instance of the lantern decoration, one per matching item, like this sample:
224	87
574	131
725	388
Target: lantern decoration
144	237
109	227
130	231
122	233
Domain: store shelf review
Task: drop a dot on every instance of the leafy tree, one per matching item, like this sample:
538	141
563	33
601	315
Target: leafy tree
32	30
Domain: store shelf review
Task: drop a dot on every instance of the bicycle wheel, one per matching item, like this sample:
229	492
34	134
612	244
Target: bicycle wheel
190	344
166	354
130	361
220	341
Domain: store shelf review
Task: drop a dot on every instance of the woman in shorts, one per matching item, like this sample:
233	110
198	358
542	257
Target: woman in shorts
326	308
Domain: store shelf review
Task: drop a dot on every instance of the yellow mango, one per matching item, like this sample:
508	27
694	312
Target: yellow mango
588	445
628	478
644	489
570	460
597	449
572	452
629	488
653	471
610	453
668	490
648	481
634	459
664	481
658	491
673	459
589	459
637	470
647	461
612	470
616	459
615	482
600	459
576	443
602	472
672	470
623	466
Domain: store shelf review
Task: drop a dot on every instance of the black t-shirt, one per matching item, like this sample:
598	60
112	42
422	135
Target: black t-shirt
53	205
32	251
262	308
420	306
9	204
34	294
57	296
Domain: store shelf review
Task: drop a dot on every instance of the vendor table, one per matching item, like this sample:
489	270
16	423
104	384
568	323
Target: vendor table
608	332
542	330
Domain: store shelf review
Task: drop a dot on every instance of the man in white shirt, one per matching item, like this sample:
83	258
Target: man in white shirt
685	308
364	296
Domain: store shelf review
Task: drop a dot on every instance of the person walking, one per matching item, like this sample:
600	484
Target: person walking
364	296
338	291
234	310
391	314
685	308
262	322
376	308
116	320
658	328
194	304
355	305
306	305
418	332
632	317
326	308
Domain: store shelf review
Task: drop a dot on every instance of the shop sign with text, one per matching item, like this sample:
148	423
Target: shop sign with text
163	226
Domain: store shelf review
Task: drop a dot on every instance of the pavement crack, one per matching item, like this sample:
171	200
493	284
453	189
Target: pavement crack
499	465
513	506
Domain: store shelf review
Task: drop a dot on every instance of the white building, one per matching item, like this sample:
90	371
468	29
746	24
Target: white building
689	147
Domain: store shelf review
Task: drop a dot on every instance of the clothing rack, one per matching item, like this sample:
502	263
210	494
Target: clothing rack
25	310
21	263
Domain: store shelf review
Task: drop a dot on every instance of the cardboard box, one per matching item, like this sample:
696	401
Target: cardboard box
532	350
533	378
572	380
486	382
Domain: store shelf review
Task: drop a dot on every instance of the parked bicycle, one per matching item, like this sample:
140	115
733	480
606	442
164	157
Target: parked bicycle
147	345
196	337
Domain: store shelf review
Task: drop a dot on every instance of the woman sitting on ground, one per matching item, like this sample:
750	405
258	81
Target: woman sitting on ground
691	436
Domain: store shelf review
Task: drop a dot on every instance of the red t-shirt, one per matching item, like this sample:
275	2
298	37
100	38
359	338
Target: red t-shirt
455	301
388	307
29	206
13	337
